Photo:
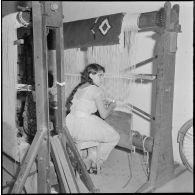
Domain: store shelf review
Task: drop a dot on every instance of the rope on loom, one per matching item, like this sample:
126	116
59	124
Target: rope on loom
133	148
131	131
146	155
61	84
130	154
129	160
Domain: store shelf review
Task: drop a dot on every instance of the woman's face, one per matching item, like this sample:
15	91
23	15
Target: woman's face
98	78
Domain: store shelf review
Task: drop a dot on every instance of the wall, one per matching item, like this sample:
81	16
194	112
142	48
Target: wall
183	92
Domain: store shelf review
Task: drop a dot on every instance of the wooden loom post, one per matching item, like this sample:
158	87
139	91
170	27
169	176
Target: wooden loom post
41	86
162	163
40	145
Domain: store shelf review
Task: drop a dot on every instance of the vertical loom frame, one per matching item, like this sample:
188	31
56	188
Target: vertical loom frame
41	86
162	163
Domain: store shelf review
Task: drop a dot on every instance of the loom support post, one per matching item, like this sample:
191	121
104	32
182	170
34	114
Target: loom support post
162	163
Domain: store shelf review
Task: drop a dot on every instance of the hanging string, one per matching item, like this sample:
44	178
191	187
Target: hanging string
146	156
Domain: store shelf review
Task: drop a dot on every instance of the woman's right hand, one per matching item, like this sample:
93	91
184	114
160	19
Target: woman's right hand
113	104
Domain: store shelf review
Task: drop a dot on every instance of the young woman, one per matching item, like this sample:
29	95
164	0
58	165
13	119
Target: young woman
83	124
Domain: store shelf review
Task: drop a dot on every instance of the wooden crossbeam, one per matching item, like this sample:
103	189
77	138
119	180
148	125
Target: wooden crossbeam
65	137
150	77
63	187
141	111
27	164
140	64
66	167
66	177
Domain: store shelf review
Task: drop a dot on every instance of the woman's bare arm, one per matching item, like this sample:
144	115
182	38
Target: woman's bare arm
104	110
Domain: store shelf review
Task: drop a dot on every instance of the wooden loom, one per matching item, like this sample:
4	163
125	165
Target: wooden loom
48	15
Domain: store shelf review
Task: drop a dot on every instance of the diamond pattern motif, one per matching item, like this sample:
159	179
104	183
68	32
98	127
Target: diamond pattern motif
104	27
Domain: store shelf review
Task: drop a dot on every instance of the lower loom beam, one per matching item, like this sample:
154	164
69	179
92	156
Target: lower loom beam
141	111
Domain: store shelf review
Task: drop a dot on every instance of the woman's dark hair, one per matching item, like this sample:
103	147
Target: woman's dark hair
89	69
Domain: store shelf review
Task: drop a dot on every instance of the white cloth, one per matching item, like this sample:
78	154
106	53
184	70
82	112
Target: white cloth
84	126
9	35
10	57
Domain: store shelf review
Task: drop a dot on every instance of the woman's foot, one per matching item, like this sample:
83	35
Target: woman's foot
90	170
90	166
96	167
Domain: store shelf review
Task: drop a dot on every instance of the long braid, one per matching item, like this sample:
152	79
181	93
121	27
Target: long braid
70	97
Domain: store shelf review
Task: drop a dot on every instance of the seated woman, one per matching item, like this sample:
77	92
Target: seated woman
83	124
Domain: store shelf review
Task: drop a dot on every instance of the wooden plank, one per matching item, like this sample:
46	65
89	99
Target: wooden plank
9	170
65	137
139	64
60	77
66	166
61	177
29	159
141	111
42	105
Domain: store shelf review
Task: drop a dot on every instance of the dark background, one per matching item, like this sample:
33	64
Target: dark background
11	6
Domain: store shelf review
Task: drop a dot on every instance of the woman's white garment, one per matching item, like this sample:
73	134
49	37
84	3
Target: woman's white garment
84	126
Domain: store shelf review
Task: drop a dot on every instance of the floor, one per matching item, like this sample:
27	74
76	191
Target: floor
183	183
124	173
119	177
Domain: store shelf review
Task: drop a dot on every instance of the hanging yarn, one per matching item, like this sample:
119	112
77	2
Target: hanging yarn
118	85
